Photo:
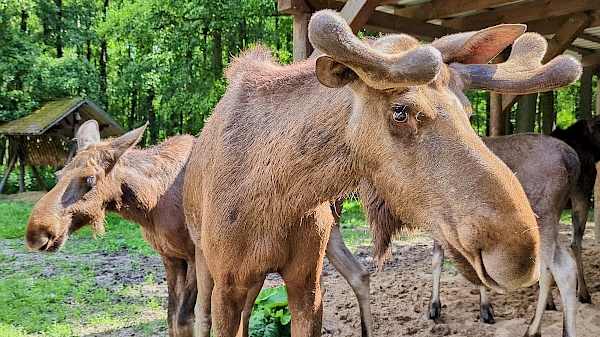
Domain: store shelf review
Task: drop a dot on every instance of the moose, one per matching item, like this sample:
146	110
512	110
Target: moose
286	141
584	137
548	169
143	186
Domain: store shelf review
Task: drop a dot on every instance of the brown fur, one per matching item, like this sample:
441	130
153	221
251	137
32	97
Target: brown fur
143	186
280	146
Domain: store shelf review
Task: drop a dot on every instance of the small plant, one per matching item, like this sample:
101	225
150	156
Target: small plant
271	316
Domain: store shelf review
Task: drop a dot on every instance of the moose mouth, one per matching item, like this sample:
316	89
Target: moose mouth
54	245
486	278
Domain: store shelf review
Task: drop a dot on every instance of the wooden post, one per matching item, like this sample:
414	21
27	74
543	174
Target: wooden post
11	164
302	47
38	177
497	116
547	111
585	94
21	175
597	184
525	119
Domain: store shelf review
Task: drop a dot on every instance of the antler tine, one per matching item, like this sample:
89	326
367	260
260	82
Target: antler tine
329	33
523	72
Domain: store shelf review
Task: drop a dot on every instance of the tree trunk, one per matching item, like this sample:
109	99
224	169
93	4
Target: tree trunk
217	52
59	42
525	118
103	61
547	111
152	125
24	18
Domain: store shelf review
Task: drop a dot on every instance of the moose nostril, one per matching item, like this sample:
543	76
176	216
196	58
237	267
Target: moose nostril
38	242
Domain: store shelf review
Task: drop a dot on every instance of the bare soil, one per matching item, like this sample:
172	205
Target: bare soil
400	294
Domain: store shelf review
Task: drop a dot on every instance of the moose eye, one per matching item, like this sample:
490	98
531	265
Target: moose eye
400	114
91	181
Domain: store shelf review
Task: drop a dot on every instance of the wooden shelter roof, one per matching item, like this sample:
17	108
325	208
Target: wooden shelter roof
53	112
571	26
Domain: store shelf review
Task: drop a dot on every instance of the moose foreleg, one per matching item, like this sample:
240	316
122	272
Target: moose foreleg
205	286
181	283
485	307
435	305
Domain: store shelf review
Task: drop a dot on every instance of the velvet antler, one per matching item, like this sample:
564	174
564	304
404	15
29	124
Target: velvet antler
523	72
329	33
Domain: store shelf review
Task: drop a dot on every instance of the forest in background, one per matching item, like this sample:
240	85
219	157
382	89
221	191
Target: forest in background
161	61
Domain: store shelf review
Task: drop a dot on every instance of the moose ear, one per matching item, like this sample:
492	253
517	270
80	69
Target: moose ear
333	74
87	133
478	47
128	140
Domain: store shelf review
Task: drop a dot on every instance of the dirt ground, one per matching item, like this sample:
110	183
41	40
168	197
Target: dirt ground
400	295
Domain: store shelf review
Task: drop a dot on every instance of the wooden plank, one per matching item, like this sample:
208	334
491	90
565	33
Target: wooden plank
557	45
551	25
292	6
302	47
357	12
439	9
536	10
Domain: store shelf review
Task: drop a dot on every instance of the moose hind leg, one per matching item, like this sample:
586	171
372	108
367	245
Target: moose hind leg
535	327
580	207
355	274
564	269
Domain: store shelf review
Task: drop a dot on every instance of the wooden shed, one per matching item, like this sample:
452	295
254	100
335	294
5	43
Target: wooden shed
46	137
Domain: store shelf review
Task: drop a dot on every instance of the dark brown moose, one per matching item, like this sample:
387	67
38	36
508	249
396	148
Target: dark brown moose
144	186
285	141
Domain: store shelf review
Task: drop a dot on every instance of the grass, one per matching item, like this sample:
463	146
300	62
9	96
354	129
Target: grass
60	295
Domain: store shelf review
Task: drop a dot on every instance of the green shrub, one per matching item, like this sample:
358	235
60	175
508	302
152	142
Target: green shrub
271	316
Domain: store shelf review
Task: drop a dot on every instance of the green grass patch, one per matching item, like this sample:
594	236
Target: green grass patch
354	228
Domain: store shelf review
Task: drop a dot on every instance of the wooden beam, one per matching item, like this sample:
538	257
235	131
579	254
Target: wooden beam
293	6
439	9
557	45
388	23
357	12
552	25
535	10
302	47
591	60
589	37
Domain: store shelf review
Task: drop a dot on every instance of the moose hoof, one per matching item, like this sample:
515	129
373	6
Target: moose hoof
585	298
434	312
487	314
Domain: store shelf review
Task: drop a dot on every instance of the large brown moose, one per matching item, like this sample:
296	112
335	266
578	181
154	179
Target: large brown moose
144	186
285	141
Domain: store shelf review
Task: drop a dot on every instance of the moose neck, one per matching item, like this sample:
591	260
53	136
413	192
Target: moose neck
294	150
150	180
